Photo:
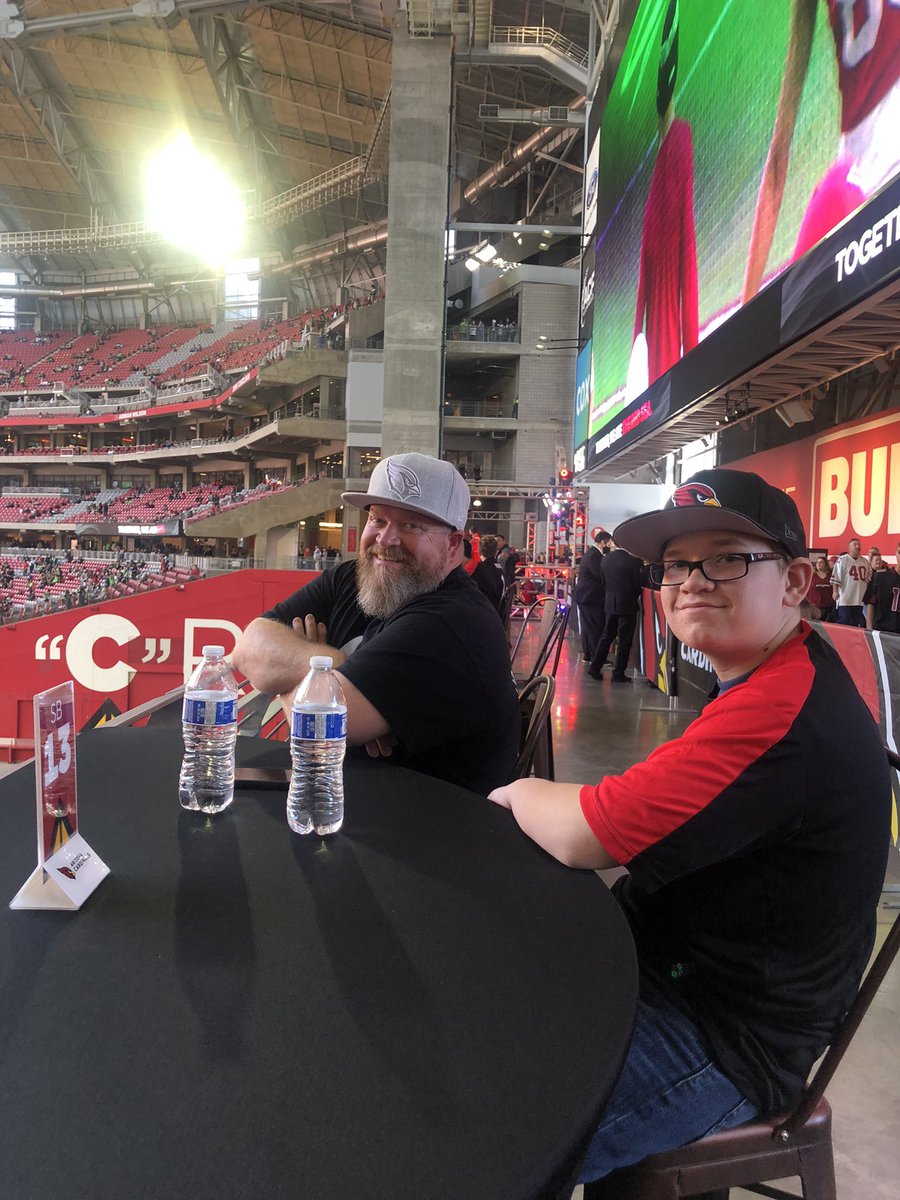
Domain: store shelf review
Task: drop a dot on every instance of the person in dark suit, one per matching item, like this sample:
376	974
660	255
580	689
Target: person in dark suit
589	592
623	578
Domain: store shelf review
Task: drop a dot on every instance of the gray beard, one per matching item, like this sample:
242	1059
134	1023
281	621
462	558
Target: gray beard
381	595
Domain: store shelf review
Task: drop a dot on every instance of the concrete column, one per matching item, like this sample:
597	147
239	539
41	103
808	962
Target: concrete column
280	545
417	217
517	524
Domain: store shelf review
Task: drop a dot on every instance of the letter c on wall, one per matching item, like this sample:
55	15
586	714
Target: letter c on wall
80	652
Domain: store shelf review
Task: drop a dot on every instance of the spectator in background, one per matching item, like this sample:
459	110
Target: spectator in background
623	579
509	561
589	595
882	599
488	574
821	594
849	579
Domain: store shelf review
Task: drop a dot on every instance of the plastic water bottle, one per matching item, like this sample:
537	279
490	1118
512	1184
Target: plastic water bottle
209	724
318	740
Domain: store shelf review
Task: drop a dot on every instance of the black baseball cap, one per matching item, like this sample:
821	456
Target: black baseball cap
736	501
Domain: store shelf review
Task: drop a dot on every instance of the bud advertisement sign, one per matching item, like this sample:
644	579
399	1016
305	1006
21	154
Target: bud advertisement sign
845	482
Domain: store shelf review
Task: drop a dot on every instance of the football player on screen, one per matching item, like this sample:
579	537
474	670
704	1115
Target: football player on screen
667	280
867	43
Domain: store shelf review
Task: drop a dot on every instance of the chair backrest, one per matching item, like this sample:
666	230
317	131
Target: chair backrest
851	1022
843	1037
506	604
529	612
857	1011
535	699
556	646
554	617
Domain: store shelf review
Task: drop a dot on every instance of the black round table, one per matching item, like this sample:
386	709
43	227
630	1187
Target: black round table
424	1006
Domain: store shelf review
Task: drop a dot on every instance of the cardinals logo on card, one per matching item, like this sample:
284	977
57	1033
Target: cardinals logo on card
694	493
403	482
67	871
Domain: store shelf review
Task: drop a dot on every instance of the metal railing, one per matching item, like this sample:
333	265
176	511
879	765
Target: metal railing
340	181
540	35
479	408
484	333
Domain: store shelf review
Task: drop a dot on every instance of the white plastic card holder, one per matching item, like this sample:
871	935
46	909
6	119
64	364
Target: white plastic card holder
67	868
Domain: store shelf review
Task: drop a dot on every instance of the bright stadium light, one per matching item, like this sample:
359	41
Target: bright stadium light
192	202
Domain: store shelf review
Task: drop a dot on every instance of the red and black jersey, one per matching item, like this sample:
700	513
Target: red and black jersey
756	846
867	40
884	592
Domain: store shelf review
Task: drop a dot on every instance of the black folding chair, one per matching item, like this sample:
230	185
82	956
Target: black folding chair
535	751
506	605
554	618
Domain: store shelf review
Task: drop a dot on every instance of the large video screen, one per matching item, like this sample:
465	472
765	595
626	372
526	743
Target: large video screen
736	135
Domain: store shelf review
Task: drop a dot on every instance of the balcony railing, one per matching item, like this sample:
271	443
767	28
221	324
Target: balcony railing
478	332
539	35
480	408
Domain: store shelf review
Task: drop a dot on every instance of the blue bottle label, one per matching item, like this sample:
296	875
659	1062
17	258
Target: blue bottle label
209	712
319	726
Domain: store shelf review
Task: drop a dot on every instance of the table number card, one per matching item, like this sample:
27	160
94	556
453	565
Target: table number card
67	869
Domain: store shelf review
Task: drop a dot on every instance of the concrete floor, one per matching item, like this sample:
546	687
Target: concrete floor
604	727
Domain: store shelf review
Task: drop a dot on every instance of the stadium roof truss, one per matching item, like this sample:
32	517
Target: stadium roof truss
291	99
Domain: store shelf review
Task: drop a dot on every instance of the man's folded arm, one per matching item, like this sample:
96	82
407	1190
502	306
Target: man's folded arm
275	659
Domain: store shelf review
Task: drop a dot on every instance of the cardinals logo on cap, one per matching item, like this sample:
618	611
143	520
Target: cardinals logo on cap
694	493
403	482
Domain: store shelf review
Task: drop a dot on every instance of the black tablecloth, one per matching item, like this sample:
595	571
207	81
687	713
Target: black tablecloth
423	1006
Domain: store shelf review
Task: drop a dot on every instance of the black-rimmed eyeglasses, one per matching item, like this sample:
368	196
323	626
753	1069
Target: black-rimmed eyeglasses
718	568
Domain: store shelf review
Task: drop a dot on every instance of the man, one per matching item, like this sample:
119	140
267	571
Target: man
756	843
882	596
488	574
589	593
509	563
848	581
423	660
623	578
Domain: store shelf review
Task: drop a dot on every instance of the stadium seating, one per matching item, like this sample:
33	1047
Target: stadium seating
130	358
29	587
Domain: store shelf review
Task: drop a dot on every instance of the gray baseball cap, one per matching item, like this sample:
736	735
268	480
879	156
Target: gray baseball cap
419	483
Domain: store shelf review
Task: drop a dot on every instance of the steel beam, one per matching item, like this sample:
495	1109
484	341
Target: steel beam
31	83
29	29
237	78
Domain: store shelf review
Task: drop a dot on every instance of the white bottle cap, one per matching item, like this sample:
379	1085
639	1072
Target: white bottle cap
213	651
321	661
